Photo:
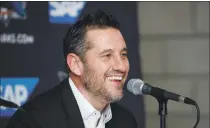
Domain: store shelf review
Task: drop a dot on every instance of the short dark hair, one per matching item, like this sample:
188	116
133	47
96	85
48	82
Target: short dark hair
74	41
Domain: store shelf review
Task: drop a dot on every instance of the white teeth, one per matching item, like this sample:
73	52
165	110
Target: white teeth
114	78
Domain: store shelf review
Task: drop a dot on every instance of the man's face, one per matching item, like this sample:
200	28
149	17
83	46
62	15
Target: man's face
106	64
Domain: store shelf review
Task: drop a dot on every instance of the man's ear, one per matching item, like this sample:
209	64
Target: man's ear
74	63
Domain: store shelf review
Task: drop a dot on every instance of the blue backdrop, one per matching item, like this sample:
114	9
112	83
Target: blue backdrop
31	56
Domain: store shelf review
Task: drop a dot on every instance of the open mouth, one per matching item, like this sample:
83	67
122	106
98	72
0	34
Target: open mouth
115	79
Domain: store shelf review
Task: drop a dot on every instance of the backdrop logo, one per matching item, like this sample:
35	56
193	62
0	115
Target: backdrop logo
16	90
62	75
16	38
12	10
65	12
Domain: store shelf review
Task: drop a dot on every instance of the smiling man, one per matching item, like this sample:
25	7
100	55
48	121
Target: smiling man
96	56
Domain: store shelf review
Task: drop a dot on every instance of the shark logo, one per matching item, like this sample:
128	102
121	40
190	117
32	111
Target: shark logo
65	12
16	90
12	10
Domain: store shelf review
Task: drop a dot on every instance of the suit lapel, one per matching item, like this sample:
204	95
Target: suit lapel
71	107
110	124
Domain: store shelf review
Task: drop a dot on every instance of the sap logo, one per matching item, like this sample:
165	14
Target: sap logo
16	90
65	12
12	10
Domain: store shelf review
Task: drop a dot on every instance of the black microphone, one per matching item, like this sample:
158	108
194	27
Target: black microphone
9	104
138	87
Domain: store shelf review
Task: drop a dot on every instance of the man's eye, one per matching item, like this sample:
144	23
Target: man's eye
124	54
107	55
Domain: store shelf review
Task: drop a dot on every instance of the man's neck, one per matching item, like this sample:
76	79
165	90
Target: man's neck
96	101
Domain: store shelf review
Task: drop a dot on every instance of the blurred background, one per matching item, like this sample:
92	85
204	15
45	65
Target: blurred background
174	53
168	42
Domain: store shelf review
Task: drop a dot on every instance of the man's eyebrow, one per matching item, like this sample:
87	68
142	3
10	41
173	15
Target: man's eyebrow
124	49
110	50
106	50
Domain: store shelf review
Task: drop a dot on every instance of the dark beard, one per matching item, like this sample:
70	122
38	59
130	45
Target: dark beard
91	85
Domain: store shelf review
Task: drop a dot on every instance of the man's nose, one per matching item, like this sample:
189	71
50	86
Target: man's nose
119	64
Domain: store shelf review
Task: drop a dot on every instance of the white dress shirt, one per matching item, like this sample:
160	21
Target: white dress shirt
91	117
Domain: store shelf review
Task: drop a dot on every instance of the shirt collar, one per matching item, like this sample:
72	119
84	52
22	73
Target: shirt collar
85	107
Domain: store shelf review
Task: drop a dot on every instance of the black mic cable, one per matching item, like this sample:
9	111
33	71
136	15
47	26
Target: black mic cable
198	115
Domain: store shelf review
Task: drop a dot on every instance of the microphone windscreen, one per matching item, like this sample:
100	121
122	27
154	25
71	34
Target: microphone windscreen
135	86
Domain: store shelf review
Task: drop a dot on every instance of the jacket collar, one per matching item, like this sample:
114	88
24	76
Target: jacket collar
70	106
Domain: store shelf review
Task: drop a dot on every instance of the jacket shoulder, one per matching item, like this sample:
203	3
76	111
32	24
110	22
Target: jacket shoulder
45	109
47	98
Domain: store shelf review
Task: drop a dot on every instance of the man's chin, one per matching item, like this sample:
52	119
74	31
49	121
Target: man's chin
117	96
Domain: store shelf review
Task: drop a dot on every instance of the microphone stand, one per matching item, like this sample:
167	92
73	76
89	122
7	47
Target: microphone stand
162	112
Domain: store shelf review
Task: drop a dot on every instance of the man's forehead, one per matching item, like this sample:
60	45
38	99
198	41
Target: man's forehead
105	37
107	48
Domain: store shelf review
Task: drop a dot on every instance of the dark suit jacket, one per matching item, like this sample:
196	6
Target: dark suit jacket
57	108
